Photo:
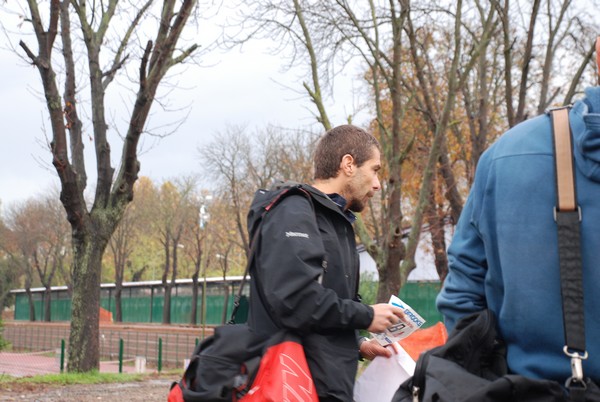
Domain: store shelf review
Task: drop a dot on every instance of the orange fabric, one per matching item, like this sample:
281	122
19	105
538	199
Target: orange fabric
283	375
105	316
175	394
424	339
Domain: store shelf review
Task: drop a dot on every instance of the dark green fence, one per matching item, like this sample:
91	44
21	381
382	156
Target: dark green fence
421	297
143	302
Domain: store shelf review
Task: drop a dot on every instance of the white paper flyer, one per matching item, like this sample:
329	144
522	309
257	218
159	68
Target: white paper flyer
405	326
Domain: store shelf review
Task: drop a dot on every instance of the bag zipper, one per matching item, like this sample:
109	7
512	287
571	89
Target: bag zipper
419	375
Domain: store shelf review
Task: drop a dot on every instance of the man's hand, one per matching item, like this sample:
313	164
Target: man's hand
384	316
371	348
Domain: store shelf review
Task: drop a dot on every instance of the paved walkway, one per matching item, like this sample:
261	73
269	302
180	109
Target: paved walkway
28	364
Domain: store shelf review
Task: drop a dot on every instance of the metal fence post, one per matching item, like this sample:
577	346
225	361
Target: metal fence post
159	355
120	355
62	355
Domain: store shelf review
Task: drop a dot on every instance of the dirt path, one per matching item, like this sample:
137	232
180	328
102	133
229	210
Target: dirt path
152	390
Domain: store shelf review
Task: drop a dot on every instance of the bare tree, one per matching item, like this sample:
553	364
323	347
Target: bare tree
92	226
49	257
195	235
223	261
279	154
291	27
176	210
541	40
226	160
121	246
18	247
39	235
439	114
242	162
9	276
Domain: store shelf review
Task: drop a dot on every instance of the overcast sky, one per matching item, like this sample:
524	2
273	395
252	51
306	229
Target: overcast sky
235	88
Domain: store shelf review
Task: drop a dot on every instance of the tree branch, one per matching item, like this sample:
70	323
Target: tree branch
117	61
185	54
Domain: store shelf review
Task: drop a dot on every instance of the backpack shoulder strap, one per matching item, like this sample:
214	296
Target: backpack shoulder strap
567	214
563	148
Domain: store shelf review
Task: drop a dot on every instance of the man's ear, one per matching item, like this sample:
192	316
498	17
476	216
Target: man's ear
347	166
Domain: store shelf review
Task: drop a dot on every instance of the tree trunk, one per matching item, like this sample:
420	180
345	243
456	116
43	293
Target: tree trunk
452	194
167	304
438	243
118	302
389	280
394	248
203	305
47	303
438	240
31	305
225	302
194	312
83	341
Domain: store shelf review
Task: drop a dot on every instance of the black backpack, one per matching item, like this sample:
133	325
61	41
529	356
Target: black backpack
471	367
222	367
265	200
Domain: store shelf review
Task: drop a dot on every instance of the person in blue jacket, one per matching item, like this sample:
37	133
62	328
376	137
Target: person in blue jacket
504	255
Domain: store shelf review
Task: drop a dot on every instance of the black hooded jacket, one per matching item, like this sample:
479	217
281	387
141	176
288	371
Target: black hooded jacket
307	267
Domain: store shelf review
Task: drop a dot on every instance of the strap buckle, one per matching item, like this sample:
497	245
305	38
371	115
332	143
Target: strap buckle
576	366
553	108
555	211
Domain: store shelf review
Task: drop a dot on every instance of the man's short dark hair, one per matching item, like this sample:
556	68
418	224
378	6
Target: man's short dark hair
339	141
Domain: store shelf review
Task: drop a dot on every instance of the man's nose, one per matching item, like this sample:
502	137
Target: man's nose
376	183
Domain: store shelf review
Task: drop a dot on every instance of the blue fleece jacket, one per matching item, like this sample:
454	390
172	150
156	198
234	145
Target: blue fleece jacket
503	255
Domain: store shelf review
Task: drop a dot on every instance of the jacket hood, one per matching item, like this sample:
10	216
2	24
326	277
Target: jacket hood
586	131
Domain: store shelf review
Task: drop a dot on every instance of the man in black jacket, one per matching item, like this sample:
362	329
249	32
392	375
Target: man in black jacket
307	266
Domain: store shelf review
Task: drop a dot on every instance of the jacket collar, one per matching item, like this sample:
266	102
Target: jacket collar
332	204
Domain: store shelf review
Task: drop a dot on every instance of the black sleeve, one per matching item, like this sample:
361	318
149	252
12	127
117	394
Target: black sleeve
289	264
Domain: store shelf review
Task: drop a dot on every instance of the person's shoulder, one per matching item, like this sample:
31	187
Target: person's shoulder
295	197
530	137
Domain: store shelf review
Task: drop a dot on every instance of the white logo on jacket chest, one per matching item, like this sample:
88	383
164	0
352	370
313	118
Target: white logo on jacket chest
296	234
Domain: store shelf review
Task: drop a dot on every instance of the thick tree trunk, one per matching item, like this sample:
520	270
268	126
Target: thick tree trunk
83	341
389	281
